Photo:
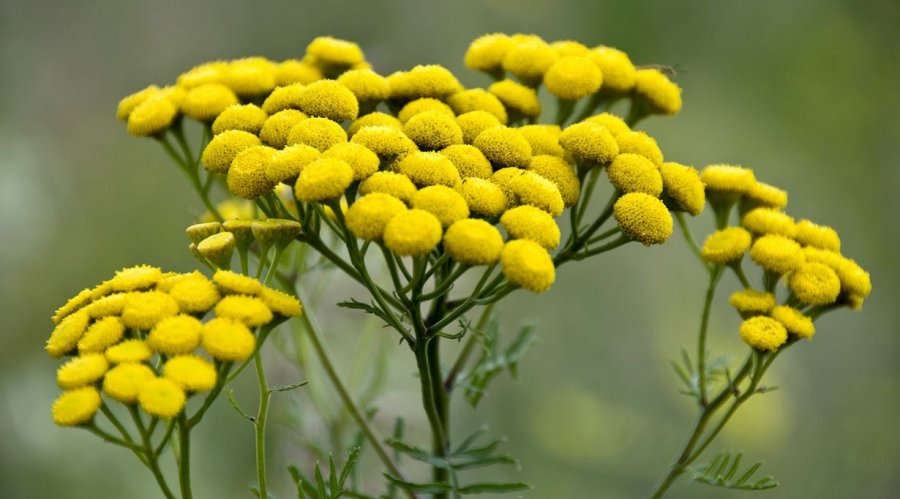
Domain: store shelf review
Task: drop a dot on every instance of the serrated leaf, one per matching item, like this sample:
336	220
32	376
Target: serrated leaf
484	450
417	453
494	488
352	457
421	488
517	349
724	467
487	461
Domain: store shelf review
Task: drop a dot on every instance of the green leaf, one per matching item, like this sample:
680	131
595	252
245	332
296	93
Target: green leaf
287	388
493	361
421	488
352	457
518	347
471	439
229	394
417	453
725	466
494	488
320	482
485	461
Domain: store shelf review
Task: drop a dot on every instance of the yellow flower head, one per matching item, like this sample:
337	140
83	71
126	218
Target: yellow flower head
128	351
250	76
135	278
635	173
151	117
750	302
726	245
544	139
473	242
286	97
329	99
683	188
361	160
441	201
478	99
794	321
504	146
224	147
529	60
196	295
286	164
412	233
366	85
572	78
66	334
661	94
643	218
72	304
197	233
247	309
190	372
206	102
528	222
468	160
209	72
769	221
558	171
424	81
175	335
727	179
323	180
394	184
777	254
640	143
227	339
217	248
296	71
483	197
374	119
233	283
433	130
334	51
281	303
142	311
619	73
761	194
102	334
82	370
247	176
528	265
278	126
570	48
76	407
425	104
530	188
475	122
613	123
132	101
124	381
589	143
321	133
385	141
429	168
518	99
855	280
505	179
817	236
486	53
367	217
763	333
161	397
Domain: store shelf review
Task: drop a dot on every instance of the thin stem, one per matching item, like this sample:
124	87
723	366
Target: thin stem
689	237
588	192
184	462
260	424
714	275
463	357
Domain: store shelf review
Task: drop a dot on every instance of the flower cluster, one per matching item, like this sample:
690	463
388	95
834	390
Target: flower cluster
138	338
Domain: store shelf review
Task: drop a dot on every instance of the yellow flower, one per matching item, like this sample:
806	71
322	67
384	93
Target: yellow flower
320	133
475	122
367	85
224	147
175	335
248	309
658	91
210	72
395	184
144	310
854	279
247	176
504	146
486	52
618	71
726	245
561	173
794	321
589	143
151	117
134	278
124	381
161	398
441	201
196	295
191	372
763	333
761	194
101	335
329	99
570	48
643	218
334	51
286	164
82	370
412	233
635	173
205	102
281	303
777	254
769	221
428	168
683	188
277	127
286	97
528	265
367	217
640	143
295	71
727	179
518	99
424	81
385	141
572	78
817	236
66	334
544	139
132	101
613	123
749	302
477	99
323	180
227	340
76	407
425	104
128	351
530	59
530	188
483	197
250	76
217	248
528	222
473	242
72	304
234	283
505	179
374	119
433	130
468	160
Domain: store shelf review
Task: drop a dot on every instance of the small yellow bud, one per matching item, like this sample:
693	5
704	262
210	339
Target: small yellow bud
247	175
321	133
224	147
76	407
218	249
367	217
727	179
124	381
101	335
175	335
635	173
763	333
529	60
286	165
247	118
769	221
761	194
151	117
572	78
657	91
82	370
643	218
424	81
561	173
486	52
414	107
618	71
528	265
199	232
227	340
429	168
161	398
392	183
130	102
777	254
210	72
475	122
323	180
817	236
468	160
296	71
749	302
544	139
682	188
794	321
505	147
128	352
589	143
640	143
483	197
433	130
286	97
518	99
528	222
412	233
385	141
473	242
726	245
374	119
191	373
334	51
249	310
206	102
478	99
441	201
367	85
250	76
329	99
613	123
275	130
530	188
362	161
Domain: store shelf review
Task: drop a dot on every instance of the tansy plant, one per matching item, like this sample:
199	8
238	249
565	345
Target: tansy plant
438	201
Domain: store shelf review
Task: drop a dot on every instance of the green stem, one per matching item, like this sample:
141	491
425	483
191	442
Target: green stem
689	237
450	380
184	462
714	275
260	425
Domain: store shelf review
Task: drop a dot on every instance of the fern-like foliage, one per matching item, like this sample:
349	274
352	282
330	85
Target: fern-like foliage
495	359
725	471
320	488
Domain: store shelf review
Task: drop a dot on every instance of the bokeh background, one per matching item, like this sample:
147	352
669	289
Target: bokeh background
806	93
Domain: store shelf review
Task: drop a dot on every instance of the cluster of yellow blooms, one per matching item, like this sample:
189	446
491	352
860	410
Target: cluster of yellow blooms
138	338
440	166
805	254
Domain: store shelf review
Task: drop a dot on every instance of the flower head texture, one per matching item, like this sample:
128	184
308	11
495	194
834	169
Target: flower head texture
528	265
763	333
76	407
643	218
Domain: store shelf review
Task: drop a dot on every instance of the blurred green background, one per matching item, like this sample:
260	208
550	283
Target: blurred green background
806	93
